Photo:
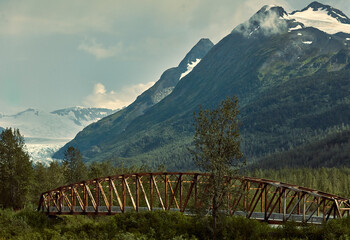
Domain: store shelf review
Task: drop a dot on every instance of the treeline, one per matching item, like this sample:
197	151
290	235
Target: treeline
22	182
296	112
331	151
330	180
74	170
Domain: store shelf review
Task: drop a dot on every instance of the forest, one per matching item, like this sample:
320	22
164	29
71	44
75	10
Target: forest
23	182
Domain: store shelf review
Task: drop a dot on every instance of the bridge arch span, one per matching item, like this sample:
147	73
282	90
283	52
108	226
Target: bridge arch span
256	198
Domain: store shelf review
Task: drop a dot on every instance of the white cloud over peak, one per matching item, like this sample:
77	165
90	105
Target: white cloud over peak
102	98
98	50
45	44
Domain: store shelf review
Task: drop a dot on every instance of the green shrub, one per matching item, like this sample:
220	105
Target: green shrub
30	224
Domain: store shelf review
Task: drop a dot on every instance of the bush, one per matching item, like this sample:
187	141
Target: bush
30	224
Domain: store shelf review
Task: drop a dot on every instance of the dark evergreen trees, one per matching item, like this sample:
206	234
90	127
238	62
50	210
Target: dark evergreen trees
16	170
56	173
73	166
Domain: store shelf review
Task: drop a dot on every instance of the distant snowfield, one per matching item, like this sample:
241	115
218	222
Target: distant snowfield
44	132
39	124
321	20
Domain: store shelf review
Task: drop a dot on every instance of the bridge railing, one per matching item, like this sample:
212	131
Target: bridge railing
261	199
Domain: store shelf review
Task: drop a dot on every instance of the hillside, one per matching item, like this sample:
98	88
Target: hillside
292	81
117	123
332	151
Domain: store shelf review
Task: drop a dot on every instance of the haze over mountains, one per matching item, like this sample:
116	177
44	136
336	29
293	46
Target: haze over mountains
117	123
46	132
291	73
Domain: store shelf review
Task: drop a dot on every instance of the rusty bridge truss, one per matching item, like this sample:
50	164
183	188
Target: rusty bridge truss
265	200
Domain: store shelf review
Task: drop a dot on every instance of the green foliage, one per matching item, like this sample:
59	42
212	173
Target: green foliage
289	94
217	140
156	225
331	180
29	224
74	168
331	151
15	170
56	178
46	178
99	169
217	152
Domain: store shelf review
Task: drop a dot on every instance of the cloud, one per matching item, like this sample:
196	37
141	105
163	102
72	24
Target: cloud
119	16
51	17
102	98
265	21
138	40
98	50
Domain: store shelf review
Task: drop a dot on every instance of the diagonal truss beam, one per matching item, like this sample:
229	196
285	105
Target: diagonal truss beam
175	191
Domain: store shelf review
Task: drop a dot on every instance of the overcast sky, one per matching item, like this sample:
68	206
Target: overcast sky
57	54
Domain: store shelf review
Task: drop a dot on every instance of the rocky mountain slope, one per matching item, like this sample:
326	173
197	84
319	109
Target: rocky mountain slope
117	123
291	73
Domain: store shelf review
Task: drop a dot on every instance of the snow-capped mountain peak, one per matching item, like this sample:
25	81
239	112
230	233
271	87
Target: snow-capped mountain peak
84	116
269	20
45	132
322	17
192	58
329	10
272	19
29	111
198	51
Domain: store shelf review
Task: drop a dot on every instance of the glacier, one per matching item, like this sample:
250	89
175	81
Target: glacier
46	132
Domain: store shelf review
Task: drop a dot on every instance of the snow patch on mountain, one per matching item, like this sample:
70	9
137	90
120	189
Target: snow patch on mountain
319	19
190	67
298	27
267	21
270	20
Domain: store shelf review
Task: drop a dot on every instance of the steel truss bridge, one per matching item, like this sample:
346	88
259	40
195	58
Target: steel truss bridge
266	200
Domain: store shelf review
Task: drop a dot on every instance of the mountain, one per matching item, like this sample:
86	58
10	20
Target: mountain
1	129
323	12
46	132
117	123
84	116
291	76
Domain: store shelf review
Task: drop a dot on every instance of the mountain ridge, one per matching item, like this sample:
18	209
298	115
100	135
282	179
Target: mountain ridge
45	132
143	103
335	13
284	72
